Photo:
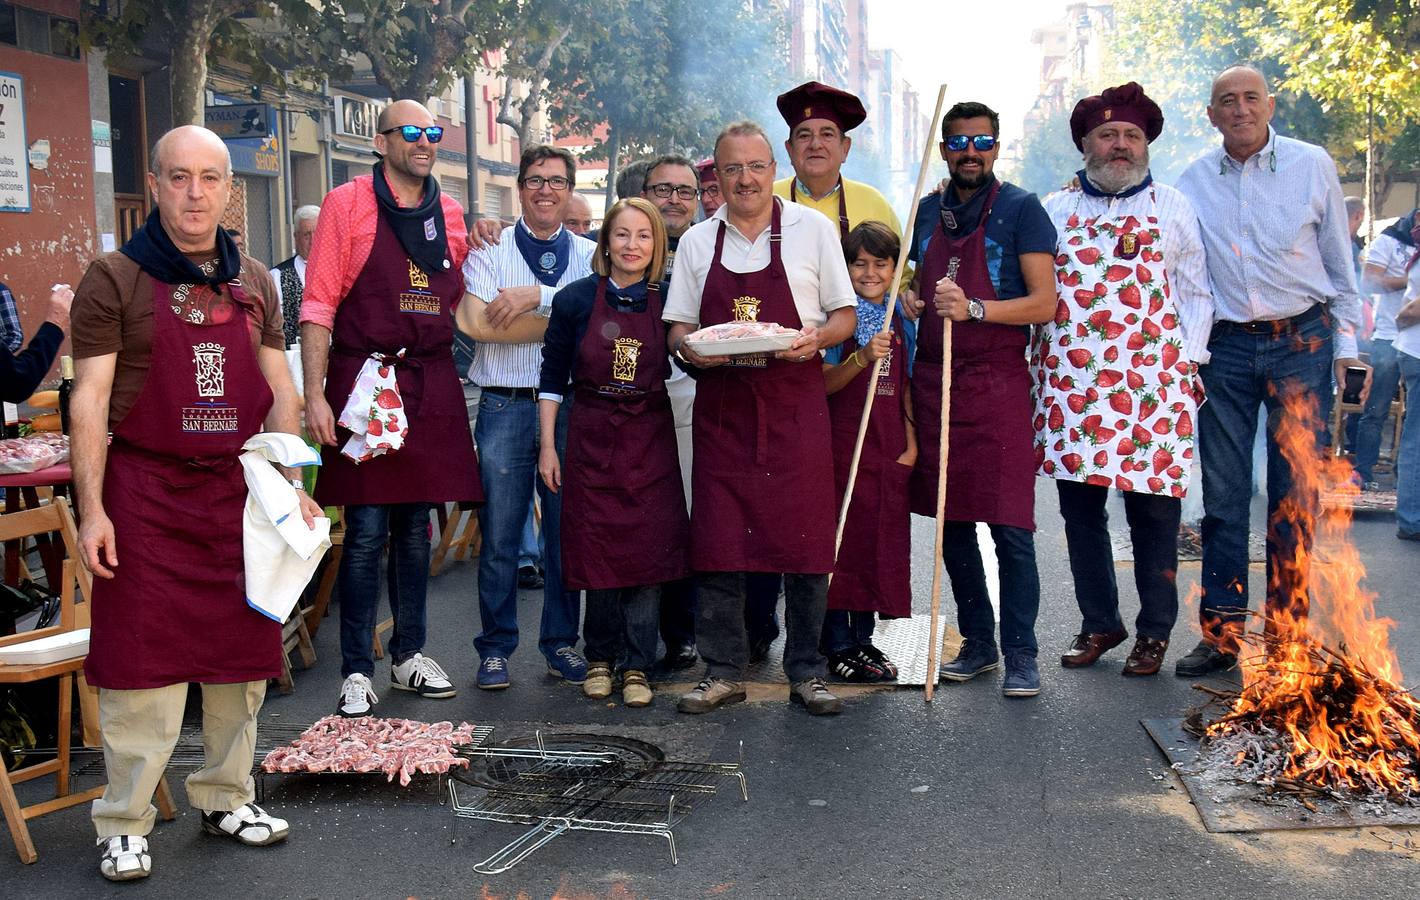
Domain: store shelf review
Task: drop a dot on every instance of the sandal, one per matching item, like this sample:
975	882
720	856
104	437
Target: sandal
248	823
125	858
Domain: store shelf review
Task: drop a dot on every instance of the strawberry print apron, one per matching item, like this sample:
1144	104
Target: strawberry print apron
1113	395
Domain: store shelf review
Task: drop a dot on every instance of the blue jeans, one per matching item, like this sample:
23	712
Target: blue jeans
405	528
1407	507
507	438
530	543
621	627
1248	371
1384	379
1020	585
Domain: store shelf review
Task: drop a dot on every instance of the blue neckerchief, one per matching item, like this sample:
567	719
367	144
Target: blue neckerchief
962	217
905	329
547	259
1092	191
870	320
632	296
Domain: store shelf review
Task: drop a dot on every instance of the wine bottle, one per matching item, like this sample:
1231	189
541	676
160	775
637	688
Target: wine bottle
12	421
66	387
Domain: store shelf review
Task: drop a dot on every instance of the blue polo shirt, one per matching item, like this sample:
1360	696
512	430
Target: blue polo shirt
1018	224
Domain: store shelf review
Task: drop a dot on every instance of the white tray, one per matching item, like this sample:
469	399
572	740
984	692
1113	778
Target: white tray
56	647
771	343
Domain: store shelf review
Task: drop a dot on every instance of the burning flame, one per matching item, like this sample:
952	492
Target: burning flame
1322	676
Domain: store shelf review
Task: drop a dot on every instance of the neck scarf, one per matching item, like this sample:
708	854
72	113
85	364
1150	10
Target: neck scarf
547	259
961	217
157	255
632	297
420	229
1092	191
871	317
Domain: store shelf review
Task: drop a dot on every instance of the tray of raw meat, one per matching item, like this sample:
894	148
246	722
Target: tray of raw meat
738	338
393	747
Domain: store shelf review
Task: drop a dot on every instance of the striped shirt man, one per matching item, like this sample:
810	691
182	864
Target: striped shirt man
10	330
488	270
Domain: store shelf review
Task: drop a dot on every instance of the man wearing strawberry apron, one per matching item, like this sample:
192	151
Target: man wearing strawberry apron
1116	371
382	285
762	479
181	355
984	248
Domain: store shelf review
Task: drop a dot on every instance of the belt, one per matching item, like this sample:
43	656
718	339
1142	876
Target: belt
511	392
1271	326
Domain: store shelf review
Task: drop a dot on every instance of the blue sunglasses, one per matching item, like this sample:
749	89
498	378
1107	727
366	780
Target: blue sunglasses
411	133
982	142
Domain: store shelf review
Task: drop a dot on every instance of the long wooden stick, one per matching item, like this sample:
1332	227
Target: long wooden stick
887	321
937	564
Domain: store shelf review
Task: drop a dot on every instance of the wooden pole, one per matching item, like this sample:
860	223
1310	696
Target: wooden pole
887	322
938	566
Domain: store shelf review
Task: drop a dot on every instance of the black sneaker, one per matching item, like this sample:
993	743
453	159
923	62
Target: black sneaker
881	659
529	579
855	665
1204	659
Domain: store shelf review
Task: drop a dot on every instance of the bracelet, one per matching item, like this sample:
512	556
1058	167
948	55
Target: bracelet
859	360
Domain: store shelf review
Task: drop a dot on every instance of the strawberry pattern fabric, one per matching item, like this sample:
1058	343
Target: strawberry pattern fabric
1114	401
374	412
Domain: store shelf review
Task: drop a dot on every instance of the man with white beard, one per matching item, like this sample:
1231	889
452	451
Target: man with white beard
1116	371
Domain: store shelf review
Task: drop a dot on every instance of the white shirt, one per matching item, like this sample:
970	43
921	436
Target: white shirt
300	274
488	270
809	248
1184	257
1391	256
1275	231
1407	340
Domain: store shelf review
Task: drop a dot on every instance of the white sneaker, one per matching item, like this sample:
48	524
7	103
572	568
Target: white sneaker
125	858
248	823
423	676
357	696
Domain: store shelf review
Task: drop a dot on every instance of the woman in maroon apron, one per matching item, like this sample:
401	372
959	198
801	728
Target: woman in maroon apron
624	526
175	492
873	573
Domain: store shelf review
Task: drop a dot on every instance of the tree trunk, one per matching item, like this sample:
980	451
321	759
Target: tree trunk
611	153
187	68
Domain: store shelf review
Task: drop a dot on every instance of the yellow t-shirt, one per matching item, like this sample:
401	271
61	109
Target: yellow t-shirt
865	203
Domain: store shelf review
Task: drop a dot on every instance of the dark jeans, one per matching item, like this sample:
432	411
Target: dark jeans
1385	378
720	625
1248	371
762	605
620	627
1020	585
678	613
845	629
1153	530
405	528
507	438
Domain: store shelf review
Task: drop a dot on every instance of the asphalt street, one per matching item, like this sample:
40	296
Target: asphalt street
974	795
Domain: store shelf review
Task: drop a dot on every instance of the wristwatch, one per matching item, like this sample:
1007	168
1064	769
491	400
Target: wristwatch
977	310
298	484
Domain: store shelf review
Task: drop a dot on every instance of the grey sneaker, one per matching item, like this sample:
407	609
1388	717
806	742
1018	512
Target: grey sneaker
970	662
1022	677
815	697
711	693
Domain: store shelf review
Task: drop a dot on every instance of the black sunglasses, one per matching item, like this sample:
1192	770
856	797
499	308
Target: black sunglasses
982	142
411	133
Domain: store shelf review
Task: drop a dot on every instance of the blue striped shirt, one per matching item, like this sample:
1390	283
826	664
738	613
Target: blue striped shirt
14	335
1274	228
488	270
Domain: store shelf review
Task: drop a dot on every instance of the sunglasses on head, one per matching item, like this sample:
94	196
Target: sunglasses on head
982	142
435	133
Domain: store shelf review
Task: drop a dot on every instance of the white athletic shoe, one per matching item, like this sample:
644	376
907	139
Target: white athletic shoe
423	676
248	823
357	696
125	858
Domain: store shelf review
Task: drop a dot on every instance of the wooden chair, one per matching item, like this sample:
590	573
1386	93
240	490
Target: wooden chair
16	526
1340	410
315	613
464	540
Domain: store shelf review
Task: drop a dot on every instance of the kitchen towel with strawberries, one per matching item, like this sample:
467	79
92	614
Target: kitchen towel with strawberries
1114	393
374	412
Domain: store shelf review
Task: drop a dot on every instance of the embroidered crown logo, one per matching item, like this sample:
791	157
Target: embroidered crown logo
417	278
746	309
625	354
210	359
1108	114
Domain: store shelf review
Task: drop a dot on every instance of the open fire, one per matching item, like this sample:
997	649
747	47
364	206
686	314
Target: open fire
1322	711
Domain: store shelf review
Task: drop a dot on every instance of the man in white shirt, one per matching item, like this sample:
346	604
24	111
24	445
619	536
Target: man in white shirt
1385	274
515	278
762	485
290	278
1407	351
1274	225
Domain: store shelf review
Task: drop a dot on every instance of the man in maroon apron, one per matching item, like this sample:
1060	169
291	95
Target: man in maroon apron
762	476
383	283
985	258
180	353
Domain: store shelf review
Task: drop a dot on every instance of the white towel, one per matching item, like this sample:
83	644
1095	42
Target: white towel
280	552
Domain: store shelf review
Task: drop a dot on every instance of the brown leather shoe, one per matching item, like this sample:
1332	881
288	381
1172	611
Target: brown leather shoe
1146	657
1089	646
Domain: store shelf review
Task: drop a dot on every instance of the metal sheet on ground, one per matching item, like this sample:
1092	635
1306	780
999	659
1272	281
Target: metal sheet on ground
1231	808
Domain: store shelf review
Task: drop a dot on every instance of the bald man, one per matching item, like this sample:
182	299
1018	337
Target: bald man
578	216
179	350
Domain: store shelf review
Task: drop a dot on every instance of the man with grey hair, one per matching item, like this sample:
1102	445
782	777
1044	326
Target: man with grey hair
178	343
762	477
290	278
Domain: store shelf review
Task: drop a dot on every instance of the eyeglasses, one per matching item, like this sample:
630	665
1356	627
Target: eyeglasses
411	133
734	169
710	190
982	142
665	189
535	182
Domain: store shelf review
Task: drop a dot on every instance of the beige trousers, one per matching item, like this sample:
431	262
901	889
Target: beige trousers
140	730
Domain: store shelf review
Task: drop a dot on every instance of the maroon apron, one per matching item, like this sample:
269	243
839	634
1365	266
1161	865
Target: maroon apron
873	573
843	228
991	466
623	506
762	475
395	305
176	610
